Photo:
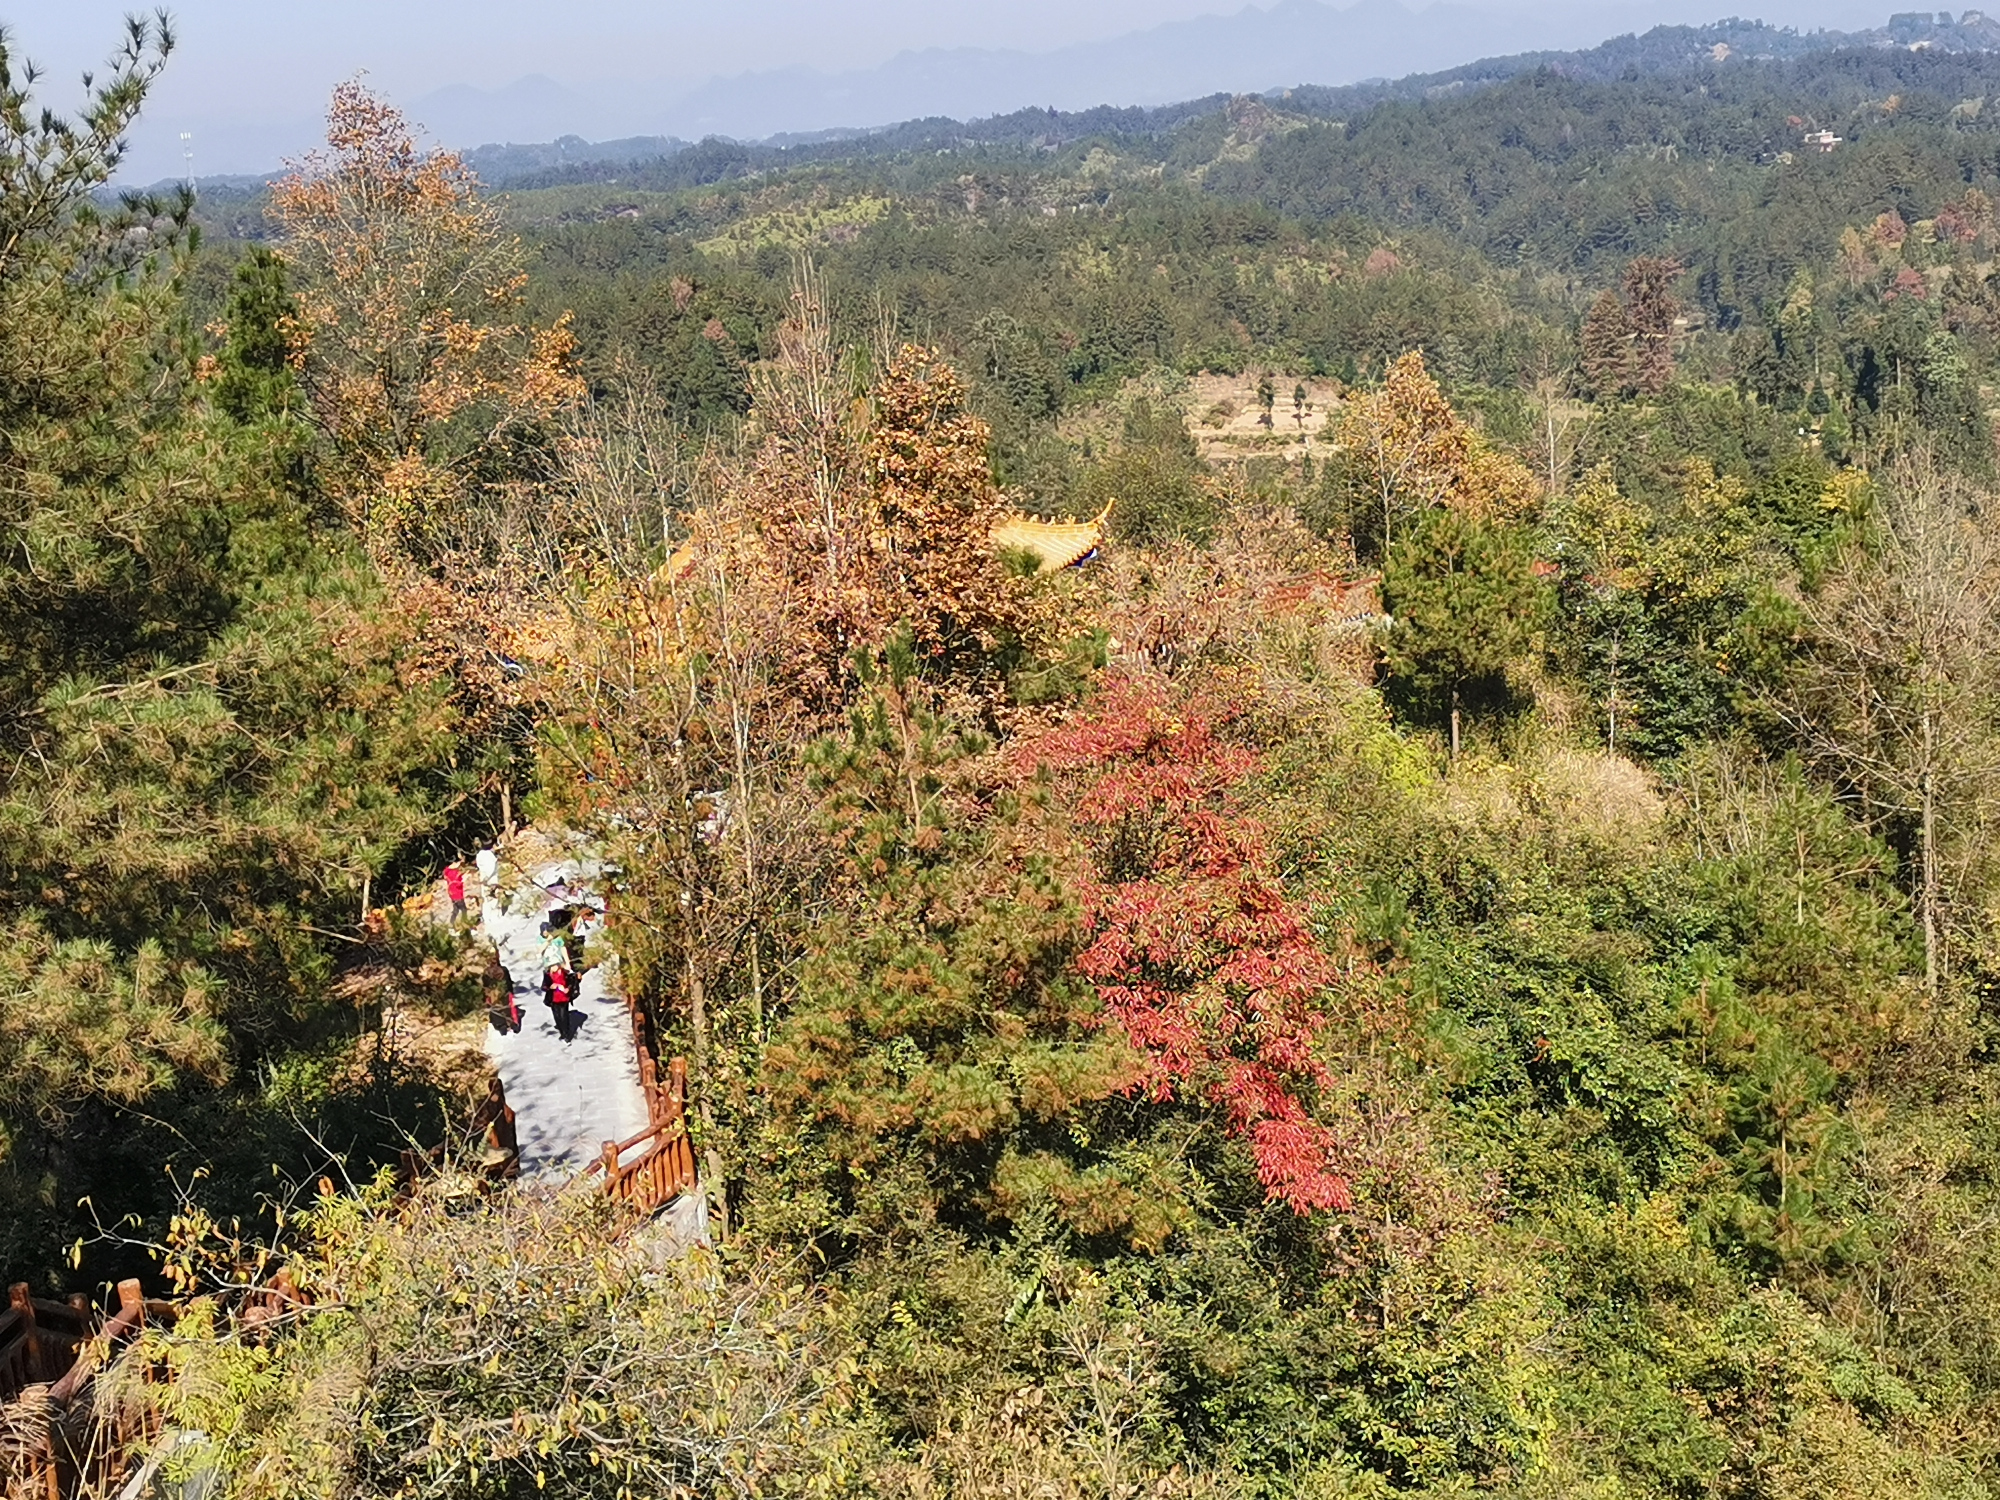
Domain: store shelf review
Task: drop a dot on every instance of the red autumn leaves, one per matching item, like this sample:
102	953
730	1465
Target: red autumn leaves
1195	949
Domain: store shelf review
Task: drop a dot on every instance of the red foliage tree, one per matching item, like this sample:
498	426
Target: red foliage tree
1651	308
1606	347
1197	953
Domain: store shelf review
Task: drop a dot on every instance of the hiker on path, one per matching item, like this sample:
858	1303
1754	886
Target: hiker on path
556	972
454	889
559	998
580	920
492	907
501	1007
555	947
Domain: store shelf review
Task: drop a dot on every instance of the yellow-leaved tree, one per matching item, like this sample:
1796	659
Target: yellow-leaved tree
424	379
1403	452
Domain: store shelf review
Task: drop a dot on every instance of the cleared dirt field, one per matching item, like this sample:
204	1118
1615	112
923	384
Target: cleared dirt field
1227	419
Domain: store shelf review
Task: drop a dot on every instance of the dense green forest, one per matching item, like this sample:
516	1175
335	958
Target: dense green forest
1454	953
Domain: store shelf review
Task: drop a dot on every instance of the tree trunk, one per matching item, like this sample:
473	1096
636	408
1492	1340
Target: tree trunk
1454	725
1866	694
745	820
697	998
1611	705
1549	411
713	1176
1382	478
1928	875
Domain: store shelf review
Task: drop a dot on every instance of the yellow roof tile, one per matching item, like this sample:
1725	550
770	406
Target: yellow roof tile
1057	543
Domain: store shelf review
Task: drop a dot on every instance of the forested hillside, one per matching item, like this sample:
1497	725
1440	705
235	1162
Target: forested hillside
1452	951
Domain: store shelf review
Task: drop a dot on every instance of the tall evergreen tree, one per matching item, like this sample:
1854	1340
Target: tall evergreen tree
1465	601
938	1057
1651	309
205	744
255	375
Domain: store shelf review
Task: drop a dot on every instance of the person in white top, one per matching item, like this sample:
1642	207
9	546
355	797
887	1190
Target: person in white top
488	864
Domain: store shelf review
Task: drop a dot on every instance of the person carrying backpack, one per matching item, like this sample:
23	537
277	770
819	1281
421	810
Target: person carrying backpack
556	976
555	947
559	998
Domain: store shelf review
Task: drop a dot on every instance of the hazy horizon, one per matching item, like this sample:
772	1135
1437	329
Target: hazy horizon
248	82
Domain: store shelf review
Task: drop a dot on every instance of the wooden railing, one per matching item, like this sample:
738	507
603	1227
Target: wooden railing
656	1166
493	1130
54	1442
57	1442
493	1121
53	1445
40	1339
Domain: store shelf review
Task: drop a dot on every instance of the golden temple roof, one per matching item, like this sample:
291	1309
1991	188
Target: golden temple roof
1059	544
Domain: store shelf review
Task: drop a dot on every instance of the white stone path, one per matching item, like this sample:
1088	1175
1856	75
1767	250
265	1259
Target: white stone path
568	1097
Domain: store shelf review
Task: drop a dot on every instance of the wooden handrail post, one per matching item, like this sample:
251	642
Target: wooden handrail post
611	1167
132	1299
23	1302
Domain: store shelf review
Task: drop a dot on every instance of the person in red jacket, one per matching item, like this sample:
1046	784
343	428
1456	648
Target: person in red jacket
454	888
559	998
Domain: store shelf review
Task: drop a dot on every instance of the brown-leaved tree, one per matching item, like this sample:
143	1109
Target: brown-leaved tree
408	338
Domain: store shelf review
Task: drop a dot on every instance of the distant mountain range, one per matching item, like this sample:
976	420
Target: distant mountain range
1254	50
1296	42
1321	57
1659	50
1251	51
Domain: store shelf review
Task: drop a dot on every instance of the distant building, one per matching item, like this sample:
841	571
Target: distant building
1915	28
1822	140
1911	25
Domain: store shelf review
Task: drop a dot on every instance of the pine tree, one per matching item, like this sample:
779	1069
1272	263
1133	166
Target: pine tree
870	518
254	377
935	506
205	742
1465	601
937	1053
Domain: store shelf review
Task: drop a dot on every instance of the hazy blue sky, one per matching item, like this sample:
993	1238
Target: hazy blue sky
251	76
